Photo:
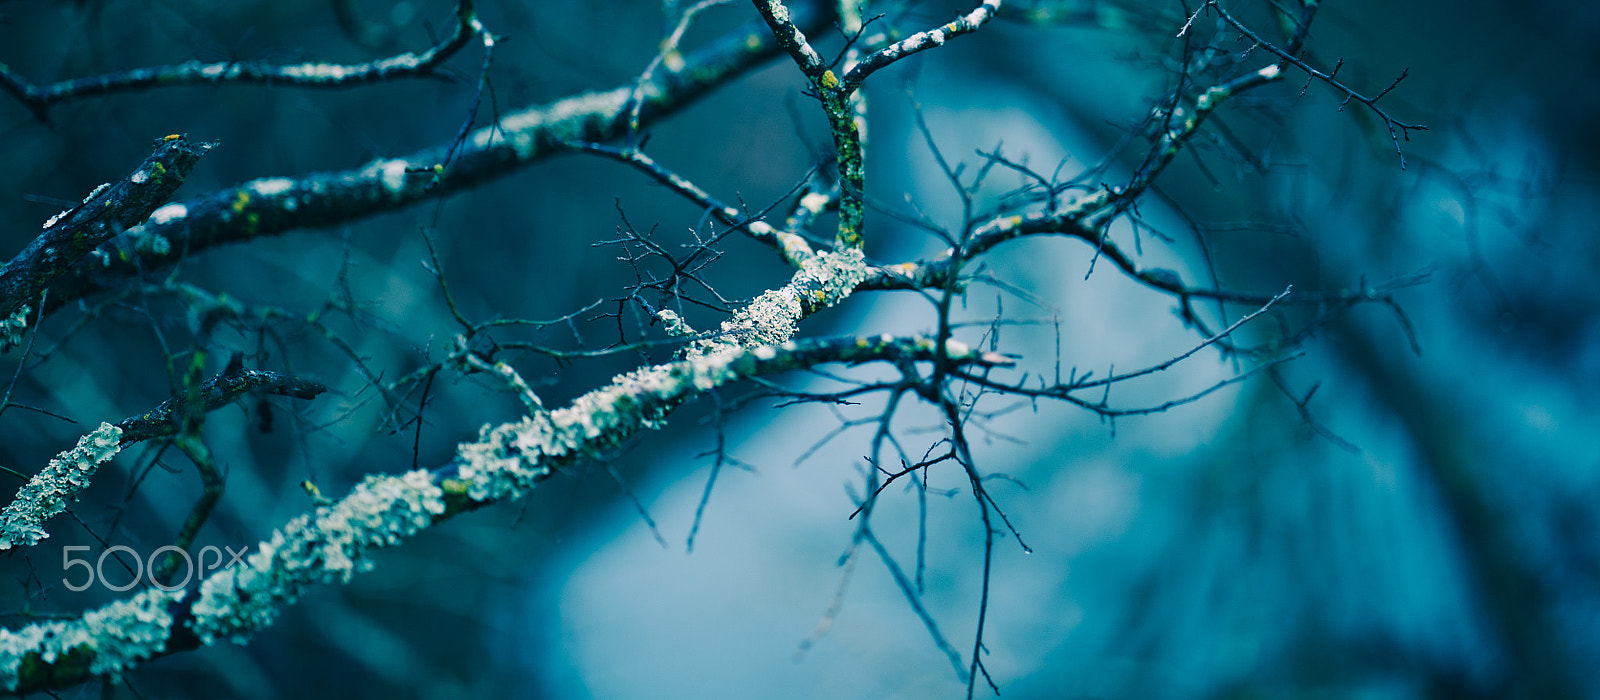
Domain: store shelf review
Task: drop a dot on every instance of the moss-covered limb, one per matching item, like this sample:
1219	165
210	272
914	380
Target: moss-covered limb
847	122
841	98
336	541
325	75
106	212
212	394
272	206
919	42
843	112
49	491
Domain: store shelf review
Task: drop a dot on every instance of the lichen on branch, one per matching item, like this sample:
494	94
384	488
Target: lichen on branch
336	541
109	210
49	491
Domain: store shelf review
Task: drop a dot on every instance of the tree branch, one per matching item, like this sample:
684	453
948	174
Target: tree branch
272	206
335	542
324	75
106	212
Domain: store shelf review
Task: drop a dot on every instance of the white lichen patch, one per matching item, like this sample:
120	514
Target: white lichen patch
215	71
823	280
168	214
47	493
96	193
103	187
673	61
390	173
329	545
772	318
271	186
115	636
837	273
496	465
330	72
815	202
675	325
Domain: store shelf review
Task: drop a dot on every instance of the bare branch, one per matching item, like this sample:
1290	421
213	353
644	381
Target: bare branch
321	75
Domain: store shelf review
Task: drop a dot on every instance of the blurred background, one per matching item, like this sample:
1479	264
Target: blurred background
1423	526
